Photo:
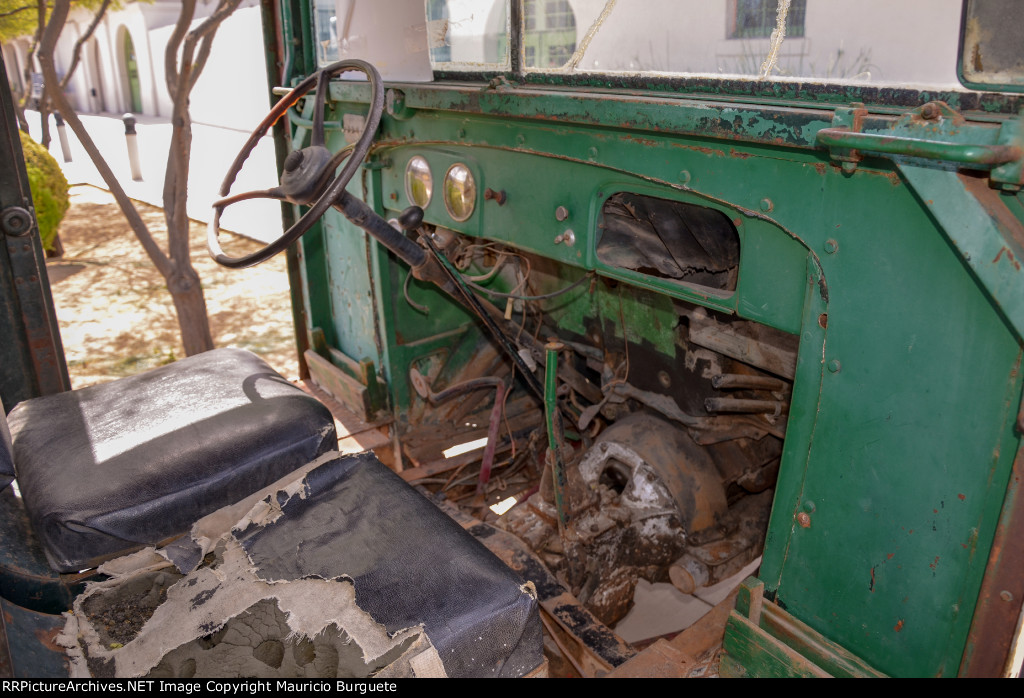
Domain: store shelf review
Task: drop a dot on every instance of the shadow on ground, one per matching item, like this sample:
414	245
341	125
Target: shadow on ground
116	316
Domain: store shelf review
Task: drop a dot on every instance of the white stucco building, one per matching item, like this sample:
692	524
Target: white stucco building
122	65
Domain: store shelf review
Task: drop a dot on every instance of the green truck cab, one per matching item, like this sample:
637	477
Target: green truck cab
711	281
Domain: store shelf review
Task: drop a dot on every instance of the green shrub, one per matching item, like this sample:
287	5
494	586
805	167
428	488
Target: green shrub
49	189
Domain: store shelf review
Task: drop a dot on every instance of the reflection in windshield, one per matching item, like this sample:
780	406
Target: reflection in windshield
910	42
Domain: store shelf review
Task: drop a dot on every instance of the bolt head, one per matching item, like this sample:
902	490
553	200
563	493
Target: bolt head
16	221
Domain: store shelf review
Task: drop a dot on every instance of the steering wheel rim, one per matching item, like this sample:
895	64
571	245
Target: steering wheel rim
329	193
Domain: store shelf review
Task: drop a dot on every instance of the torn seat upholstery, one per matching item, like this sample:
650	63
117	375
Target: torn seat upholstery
342	569
136	461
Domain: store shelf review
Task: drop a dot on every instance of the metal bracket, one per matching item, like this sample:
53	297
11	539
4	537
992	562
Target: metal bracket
849	120
1010	176
933	131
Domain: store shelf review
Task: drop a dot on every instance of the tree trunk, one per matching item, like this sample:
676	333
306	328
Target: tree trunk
190	306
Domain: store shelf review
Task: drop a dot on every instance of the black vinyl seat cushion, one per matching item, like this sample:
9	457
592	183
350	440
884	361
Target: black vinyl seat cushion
118	466
410	565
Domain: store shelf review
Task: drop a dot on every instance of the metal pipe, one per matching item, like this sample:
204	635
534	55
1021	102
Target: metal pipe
984	156
742	380
419	383
492	438
730	404
554	425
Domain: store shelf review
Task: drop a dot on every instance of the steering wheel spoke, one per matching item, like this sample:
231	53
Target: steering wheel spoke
308	177
275	193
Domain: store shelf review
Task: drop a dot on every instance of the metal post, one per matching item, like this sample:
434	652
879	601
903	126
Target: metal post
62	134
130	138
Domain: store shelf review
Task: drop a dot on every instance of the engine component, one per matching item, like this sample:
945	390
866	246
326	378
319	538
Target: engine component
653	487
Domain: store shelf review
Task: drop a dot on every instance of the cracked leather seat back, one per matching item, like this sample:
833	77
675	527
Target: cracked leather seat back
118	466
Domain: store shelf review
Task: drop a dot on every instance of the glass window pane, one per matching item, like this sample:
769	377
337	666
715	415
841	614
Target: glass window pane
468	34
880	42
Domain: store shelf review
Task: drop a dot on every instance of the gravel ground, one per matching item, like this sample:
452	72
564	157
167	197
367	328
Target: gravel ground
116	316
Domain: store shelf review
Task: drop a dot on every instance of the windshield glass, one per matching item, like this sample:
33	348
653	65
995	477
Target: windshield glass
906	43
880	42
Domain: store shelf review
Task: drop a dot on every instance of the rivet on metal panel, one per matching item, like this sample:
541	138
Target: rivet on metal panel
561	213
520	139
767	205
804	519
592	153
831	246
461	133
1006	596
684	176
834	366
809	507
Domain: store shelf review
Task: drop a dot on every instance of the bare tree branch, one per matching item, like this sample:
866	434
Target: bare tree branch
46	46
187	73
43	101
188	11
20	9
76	54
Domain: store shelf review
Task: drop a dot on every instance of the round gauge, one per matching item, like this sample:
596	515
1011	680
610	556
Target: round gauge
459	192
419	181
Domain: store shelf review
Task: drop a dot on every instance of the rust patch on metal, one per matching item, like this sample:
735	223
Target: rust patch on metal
733	153
642	141
961	497
899	625
821	168
977	186
1009	256
804	519
994	626
704	149
871	586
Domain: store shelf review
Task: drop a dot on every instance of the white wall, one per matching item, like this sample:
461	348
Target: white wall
231	92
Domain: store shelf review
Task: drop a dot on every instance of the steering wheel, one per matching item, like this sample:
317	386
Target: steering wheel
307	172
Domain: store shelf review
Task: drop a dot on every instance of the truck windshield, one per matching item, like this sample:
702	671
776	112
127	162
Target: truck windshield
907	43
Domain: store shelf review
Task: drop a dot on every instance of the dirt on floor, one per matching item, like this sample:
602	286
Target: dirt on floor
115	313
